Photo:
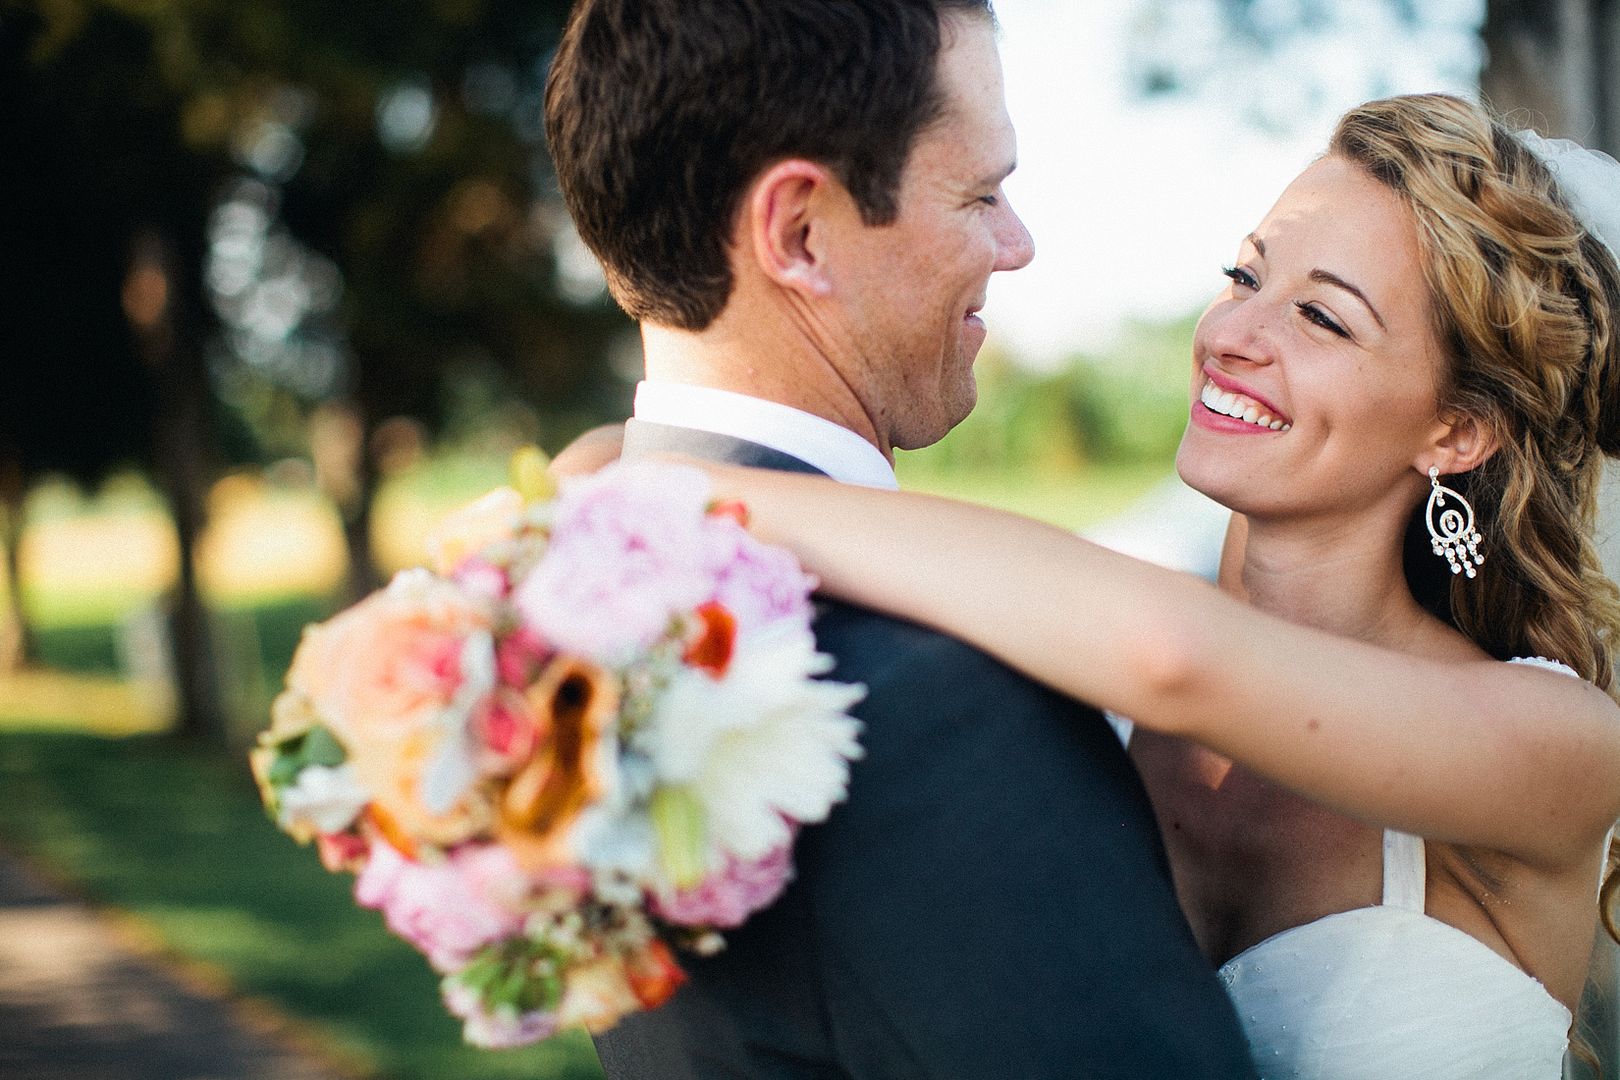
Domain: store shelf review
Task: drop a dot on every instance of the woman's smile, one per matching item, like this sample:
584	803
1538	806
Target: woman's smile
1232	405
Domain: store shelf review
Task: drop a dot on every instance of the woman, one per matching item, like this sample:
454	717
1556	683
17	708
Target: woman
1389	840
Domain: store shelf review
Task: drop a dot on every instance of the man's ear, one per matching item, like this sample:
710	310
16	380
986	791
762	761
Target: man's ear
784	225
1461	443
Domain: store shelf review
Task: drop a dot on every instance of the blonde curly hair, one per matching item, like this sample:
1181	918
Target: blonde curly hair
1525	301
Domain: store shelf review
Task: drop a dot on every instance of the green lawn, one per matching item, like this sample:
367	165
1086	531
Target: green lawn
177	839
1073	500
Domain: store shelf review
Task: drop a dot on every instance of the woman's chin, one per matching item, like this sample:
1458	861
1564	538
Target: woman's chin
1223	485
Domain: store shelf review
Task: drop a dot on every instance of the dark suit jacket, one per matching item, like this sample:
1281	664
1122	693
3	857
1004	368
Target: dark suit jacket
992	901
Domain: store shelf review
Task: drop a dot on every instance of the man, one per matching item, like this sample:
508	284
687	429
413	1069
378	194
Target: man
800	201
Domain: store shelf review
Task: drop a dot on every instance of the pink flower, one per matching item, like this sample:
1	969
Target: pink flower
482	579
506	730
520	656
449	910
626	556
756	582
342	851
633	548
726	899
495	1029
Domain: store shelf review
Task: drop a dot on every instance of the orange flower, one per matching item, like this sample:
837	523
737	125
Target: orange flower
574	706
734	509
654	976
716	640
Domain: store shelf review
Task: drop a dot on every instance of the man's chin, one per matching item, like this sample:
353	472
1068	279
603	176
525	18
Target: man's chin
923	432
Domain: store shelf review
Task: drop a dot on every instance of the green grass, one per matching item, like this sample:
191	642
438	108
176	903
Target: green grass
177	839
1072	500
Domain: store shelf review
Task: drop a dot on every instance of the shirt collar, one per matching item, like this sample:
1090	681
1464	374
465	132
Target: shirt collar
814	440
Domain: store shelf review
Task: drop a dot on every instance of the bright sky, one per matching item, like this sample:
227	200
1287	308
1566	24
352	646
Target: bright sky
1135	206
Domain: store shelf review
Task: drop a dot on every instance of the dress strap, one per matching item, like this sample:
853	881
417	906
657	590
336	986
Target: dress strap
1405	877
1543	662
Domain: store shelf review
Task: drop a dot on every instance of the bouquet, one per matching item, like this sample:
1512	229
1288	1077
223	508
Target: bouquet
583	740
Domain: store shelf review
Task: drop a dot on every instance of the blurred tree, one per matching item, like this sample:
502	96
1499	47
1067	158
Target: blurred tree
101	318
1555	60
292	208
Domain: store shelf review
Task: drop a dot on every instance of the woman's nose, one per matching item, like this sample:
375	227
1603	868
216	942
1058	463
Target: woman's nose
1243	330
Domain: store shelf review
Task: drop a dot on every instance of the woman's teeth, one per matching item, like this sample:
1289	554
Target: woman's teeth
1239	407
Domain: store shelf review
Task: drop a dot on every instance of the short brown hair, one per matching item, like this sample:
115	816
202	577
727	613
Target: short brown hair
660	113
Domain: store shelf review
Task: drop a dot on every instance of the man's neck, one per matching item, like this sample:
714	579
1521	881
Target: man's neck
782	368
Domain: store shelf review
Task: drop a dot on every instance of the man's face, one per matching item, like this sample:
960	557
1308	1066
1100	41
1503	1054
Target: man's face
912	289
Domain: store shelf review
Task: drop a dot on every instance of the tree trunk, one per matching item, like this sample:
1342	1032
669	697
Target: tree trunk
155	297
346	471
1551	64
17	648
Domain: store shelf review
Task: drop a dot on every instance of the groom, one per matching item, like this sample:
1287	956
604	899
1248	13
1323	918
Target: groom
800	201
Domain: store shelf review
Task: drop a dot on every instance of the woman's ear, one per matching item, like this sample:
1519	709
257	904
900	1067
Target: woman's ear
784	219
1461	443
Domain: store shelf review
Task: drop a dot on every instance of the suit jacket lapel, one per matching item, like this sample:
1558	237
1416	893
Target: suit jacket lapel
642	438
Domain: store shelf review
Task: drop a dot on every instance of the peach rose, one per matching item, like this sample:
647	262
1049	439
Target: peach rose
388	678
597	994
388	665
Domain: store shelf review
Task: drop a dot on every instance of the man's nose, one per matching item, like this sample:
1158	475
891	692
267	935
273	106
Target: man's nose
1015	247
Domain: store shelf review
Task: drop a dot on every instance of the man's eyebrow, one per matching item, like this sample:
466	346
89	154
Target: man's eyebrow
995	179
1328	278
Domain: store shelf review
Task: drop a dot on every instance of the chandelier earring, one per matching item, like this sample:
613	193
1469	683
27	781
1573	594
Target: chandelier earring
1451	528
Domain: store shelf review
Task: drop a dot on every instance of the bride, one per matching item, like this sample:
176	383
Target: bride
1390	841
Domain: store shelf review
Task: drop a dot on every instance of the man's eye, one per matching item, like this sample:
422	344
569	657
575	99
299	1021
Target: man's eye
990	200
1241	277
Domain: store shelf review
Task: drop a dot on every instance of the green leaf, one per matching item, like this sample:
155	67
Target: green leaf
284	770
322	748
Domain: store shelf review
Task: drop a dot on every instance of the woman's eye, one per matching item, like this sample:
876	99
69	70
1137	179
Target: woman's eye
1241	277
1320	318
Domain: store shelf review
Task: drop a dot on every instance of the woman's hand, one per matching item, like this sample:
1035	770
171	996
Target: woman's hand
589	453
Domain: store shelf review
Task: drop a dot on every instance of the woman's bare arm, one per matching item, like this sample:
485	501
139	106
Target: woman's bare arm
1503	756
597	448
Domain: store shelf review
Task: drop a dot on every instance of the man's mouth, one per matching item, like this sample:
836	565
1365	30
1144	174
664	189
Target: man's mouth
1239	407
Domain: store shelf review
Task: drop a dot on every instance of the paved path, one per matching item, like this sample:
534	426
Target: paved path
76	1003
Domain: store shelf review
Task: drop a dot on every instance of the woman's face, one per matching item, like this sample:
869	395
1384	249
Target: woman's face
1315	372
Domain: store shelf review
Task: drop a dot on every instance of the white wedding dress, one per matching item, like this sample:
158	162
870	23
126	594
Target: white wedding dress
1389	993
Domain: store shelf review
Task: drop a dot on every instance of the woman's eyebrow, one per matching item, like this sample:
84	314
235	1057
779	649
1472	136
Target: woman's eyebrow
1328	278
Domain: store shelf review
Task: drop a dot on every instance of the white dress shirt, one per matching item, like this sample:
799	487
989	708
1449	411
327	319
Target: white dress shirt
814	440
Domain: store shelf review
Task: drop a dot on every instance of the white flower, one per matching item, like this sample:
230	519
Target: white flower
323	798
616	845
454	768
765	742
